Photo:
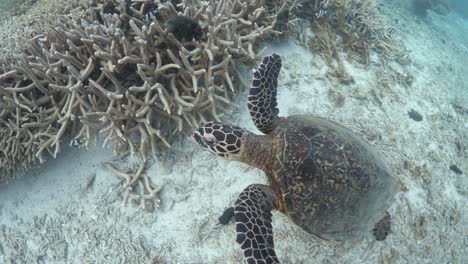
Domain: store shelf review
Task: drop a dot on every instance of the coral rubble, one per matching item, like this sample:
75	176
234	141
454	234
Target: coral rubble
139	189
120	70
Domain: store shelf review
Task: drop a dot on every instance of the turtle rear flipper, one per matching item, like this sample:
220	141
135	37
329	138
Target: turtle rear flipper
262	96
227	215
382	228
252	213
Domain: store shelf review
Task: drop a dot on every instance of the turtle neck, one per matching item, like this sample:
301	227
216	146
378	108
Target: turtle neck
257	150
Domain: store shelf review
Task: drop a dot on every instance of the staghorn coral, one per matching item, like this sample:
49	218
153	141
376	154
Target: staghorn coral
361	28
354	26
184	28
18	26
311	9
118	71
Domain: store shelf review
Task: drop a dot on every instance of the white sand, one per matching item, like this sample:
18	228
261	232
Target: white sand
48	216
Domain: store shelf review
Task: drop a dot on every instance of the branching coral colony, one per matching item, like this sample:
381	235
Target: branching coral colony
354	26
120	70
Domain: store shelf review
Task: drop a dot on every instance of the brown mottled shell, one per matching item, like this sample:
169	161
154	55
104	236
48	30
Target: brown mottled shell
332	182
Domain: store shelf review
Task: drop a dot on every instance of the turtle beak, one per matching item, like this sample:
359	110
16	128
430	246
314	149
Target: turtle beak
205	140
196	137
193	135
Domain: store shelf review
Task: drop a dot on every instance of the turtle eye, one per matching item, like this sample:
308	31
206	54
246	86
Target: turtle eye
210	140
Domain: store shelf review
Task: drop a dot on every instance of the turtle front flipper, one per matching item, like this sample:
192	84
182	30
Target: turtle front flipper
262	96
252	213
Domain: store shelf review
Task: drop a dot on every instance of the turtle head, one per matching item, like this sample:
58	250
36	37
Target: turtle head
222	140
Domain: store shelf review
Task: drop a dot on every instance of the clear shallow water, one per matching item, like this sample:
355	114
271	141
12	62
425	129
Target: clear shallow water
6	4
461	7
71	209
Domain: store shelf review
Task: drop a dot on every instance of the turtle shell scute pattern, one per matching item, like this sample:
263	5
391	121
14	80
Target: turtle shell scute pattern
333	184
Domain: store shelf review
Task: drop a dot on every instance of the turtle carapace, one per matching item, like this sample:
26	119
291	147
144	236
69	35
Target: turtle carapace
324	177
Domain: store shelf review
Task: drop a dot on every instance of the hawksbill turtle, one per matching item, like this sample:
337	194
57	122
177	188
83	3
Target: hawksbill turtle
325	178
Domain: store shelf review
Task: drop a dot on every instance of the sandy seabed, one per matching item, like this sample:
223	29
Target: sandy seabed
70	210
